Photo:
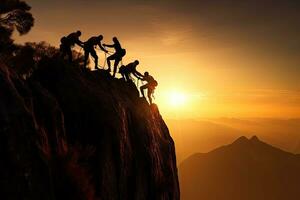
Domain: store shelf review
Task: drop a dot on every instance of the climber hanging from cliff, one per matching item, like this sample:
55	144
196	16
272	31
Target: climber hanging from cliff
127	70
67	42
89	48
117	56
150	86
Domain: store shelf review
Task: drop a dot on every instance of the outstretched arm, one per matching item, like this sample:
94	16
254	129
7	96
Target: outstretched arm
79	43
138	75
109	45
102	48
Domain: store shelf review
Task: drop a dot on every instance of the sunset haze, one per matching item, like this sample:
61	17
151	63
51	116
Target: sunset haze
230	59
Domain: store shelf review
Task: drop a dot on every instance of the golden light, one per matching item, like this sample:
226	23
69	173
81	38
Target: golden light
177	98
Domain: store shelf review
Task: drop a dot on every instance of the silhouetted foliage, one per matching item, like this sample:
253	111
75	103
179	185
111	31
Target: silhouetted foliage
14	15
27	58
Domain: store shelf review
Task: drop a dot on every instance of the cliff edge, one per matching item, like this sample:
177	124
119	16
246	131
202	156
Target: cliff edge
68	133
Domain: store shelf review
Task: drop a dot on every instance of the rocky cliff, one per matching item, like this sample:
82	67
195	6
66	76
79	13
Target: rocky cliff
68	133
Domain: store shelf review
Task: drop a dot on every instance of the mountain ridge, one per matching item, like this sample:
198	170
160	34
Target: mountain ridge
245	169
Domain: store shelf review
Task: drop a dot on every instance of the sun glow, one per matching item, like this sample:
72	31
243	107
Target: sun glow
177	99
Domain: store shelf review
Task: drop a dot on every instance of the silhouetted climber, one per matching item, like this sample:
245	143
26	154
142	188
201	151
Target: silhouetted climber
125	71
89	48
68	42
150	85
117	56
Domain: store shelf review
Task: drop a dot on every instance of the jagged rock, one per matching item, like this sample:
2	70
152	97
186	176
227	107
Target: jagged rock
69	133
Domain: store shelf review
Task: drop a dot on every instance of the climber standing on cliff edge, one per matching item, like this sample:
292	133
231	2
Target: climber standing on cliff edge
67	42
117	56
150	86
89	48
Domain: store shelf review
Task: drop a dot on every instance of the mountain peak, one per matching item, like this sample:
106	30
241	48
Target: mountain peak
245	140
245	164
241	140
254	139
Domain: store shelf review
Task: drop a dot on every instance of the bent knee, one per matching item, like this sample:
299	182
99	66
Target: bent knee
143	87
110	58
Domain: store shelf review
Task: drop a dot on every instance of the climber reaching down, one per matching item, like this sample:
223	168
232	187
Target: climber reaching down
129	69
67	42
89	48
117	56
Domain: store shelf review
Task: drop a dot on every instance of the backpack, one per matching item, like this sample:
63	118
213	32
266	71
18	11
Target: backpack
122	69
123	53
63	40
153	83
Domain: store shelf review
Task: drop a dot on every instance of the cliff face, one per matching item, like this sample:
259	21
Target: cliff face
72	134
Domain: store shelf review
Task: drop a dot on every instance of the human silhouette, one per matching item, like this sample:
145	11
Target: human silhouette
125	71
117	56
150	86
67	42
89	48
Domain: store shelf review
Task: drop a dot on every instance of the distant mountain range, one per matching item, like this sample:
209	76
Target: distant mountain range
247	169
204	135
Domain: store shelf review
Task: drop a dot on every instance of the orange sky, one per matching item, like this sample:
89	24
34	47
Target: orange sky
230	59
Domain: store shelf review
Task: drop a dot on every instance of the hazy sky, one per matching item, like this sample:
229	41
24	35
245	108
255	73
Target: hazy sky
230	58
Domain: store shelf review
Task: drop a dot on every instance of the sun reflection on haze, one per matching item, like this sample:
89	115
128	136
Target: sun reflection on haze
177	98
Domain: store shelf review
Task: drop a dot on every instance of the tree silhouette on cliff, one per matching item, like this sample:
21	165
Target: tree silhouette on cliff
14	16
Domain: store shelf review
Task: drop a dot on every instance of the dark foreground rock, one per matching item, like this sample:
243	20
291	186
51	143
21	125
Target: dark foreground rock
73	134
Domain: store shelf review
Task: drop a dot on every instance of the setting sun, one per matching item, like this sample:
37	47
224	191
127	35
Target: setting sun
190	100
177	98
